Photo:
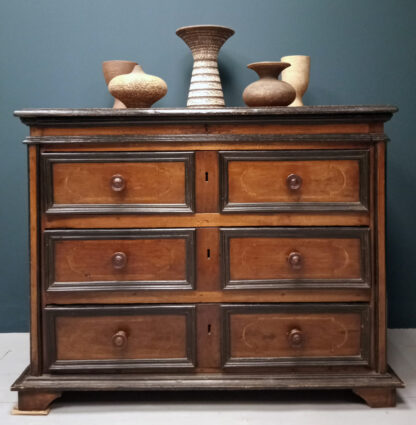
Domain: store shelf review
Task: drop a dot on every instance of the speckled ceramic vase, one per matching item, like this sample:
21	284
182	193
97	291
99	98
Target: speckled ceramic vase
268	90
297	75
114	68
138	89
205	42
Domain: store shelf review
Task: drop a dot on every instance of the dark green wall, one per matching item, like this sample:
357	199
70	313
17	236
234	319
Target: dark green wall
363	52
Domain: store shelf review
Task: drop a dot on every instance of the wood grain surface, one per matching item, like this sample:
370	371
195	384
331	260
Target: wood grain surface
147	260
266	181
148	336
267	258
146	183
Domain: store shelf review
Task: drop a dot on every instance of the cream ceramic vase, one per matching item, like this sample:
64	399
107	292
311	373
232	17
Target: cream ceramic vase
114	68
268	90
138	89
297	75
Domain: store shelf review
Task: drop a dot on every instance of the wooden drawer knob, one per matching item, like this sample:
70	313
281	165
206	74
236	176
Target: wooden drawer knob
119	260
294	182
295	260
120	339
118	183
296	338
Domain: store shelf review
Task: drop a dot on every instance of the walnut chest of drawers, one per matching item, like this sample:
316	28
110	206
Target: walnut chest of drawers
232	248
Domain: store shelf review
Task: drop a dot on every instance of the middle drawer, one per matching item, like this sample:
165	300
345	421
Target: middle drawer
129	259
208	260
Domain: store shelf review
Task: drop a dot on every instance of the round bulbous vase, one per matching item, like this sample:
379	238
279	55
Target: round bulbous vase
268	90
114	68
205	42
297	75
138	89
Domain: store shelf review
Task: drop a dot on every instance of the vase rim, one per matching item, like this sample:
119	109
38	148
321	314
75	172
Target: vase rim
268	64
283	58
197	27
119	61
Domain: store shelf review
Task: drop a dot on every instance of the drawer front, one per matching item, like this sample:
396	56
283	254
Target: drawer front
276	258
272	335
269	181
114	260
117	338
118	182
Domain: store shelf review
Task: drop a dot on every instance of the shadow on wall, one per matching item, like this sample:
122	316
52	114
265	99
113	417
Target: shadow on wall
400	243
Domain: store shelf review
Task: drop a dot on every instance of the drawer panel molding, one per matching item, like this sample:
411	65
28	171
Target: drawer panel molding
118	182
296	181
290	335
295	258
119	338
119	260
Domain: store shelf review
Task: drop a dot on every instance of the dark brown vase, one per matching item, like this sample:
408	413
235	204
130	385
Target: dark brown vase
268	90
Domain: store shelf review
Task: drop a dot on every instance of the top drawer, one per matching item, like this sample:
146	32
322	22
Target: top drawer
118	182
315	180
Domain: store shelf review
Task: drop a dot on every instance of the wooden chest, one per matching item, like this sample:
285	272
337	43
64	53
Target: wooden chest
232	248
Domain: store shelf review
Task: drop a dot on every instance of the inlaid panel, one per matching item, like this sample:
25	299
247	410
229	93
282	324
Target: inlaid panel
97	260
119	337
314	180
273	258
265	335
118	182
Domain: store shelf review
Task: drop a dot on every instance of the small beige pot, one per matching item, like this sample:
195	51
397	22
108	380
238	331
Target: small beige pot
138	89
297	75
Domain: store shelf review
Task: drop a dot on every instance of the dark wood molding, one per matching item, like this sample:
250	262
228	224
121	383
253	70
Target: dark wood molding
230	363
362	156
278	115
208	381
50	207
364	138
295	232
50	237
51	364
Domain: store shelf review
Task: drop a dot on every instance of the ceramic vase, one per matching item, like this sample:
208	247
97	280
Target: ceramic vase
205	42
268	90
297	75
114	68
138	89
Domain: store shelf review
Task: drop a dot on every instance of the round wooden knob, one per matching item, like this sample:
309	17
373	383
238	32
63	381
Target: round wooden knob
120	339
294	182
119	260
295	260
296	338
118	183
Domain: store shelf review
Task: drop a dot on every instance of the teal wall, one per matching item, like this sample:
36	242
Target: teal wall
363	52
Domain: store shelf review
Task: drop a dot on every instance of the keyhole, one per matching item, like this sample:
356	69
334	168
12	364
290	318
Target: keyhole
206	176
209	329
208	253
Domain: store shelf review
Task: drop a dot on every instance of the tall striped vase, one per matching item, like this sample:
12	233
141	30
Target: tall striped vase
205	42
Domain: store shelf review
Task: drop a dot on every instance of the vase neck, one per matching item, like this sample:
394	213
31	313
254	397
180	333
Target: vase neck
137	70
268	69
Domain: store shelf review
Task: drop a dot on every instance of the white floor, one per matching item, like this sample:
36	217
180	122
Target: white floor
215	408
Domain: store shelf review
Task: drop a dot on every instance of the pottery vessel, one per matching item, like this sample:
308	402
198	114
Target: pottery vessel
138	89
297	75
205	42
268	90
114	68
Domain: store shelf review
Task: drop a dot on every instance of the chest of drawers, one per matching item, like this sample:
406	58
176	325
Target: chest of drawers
232	248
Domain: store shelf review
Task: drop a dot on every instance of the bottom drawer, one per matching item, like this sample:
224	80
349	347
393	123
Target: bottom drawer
272	335
117	338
